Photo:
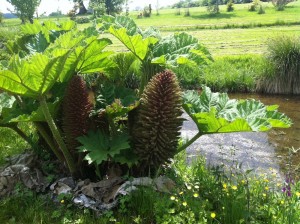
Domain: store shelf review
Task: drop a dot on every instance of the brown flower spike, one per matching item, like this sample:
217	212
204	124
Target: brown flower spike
157	129
76	109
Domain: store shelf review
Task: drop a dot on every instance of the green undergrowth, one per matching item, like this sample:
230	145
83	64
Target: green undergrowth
11	143
226	73
200	195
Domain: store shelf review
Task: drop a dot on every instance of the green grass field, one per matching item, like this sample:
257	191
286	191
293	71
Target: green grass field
167	20
229	33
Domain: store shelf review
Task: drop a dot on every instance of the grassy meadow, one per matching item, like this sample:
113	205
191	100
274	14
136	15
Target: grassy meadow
240	17
237	41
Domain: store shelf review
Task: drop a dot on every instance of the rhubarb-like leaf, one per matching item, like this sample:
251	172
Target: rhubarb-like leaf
6	101
100	147
216	113
136	44
181	48
32	77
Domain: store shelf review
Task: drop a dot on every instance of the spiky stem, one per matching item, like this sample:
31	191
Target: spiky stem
68	157
189	142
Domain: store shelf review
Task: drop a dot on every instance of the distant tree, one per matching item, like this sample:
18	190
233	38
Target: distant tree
98	7
1	17
79	4
57	13
280	4
187	6
229	6
127	7
157	7
213	7
114	6
24	9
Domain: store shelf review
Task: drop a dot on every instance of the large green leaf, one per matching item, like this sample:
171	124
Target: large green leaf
96	145
120	22
216	113
32	76
6	101
136	44
72	53
100	147
36	37
180	48
92	58
109	93
88	55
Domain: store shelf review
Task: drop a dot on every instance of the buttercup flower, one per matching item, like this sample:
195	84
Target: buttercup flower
172	198
184	203
196	195
234	187
213	215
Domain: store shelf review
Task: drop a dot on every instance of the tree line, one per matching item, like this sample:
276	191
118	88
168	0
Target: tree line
25	9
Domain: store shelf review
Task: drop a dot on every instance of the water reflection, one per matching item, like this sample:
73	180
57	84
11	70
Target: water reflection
282	139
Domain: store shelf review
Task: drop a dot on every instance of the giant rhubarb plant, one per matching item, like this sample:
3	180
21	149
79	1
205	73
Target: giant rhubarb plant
35	75
156	52
157	130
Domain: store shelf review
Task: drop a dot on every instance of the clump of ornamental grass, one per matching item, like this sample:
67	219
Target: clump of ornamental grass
282	73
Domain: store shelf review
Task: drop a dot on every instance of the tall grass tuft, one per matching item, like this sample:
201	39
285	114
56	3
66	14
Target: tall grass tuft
282	73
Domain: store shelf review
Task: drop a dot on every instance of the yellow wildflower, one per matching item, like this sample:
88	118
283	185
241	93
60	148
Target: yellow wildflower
184	203
196	195
62	201
224	186
282	202
266	188
181	192
189	187
265	195
234	187
172	198
196	186
298	194
213	215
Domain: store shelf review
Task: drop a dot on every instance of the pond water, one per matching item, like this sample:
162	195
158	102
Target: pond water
249	149
282	139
